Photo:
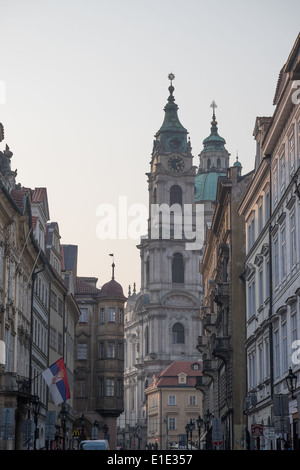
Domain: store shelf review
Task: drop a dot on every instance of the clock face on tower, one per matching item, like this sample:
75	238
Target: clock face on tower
175	163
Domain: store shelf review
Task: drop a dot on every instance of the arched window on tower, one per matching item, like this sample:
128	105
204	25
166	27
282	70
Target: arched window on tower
177	268
208	163
218	163
175	195
178	334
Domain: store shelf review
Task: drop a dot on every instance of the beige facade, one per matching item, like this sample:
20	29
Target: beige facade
172	403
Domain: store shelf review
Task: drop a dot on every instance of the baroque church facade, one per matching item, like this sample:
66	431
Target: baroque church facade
162	321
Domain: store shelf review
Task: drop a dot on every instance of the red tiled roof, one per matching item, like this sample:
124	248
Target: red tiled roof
84	287
169	376
18	196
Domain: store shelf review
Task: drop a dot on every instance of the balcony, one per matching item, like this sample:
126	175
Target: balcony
222	294
222	348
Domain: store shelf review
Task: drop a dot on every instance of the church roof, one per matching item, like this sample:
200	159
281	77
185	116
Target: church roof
206	186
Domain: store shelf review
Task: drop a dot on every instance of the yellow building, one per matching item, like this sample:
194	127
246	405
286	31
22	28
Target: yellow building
172	403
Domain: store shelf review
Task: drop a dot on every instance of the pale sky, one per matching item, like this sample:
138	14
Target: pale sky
83	84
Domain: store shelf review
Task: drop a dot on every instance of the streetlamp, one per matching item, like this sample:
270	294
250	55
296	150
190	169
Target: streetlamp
105	430
207	417
199	422
82	422
36	407
291	380
63	416
95	429
187	429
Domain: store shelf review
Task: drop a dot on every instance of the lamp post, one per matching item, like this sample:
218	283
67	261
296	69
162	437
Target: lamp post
82	422
105	430
187	429
207	417
291	380
95	429
199	422
63	416
36	407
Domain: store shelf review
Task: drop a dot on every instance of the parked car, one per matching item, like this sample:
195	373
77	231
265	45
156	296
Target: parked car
97	444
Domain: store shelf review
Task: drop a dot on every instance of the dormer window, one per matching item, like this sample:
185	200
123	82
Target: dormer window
182	378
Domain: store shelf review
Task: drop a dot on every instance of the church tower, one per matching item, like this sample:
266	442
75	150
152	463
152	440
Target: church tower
162	323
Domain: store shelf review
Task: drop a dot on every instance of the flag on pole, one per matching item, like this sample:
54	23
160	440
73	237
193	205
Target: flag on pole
57	381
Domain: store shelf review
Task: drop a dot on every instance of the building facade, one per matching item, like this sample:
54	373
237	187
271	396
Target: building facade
99	365
174	402
222	312
28	342
272	265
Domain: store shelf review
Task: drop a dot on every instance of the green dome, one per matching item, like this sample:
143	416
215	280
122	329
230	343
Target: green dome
206	186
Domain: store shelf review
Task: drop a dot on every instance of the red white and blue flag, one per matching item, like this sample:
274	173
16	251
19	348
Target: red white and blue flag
57	381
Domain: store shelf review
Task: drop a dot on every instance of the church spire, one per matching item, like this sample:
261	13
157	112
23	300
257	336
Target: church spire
172	136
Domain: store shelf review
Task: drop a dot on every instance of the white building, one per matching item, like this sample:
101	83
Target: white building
272	222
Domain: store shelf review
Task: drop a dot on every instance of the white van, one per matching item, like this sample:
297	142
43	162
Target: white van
97	444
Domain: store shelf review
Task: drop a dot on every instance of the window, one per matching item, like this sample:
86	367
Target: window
178	333
276	263
260	363
112	314
192	400
101	387
52	339
120	351
111	349
293	240
172	400
251	298
101	350
275	182
83	315
282	172
267	206
81	388
119	388
121	316
177	268
260	287
291	150
276	354
251	233
60	307
283	253
175	195
102	315
294	321
218	163
172	424
82	351
110	387
53	300
284	347
260	218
